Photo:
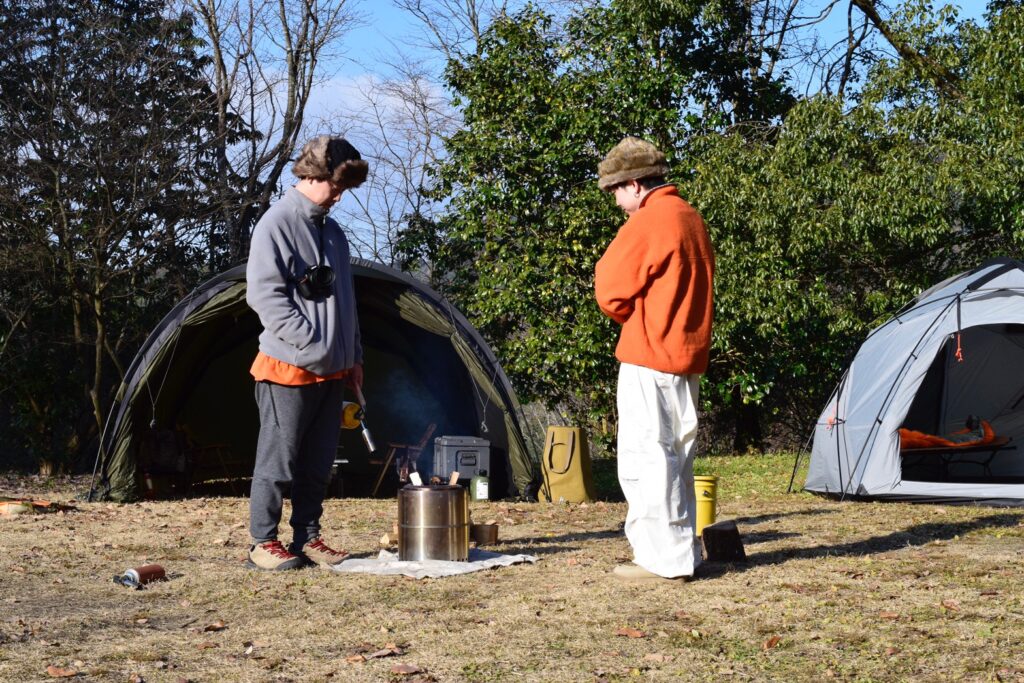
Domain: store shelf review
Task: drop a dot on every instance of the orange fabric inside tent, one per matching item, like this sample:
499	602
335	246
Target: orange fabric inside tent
910	438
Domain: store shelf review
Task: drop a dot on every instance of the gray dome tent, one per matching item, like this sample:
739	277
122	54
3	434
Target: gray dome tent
908	373
186	404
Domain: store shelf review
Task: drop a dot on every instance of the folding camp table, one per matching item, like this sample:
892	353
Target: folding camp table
945	456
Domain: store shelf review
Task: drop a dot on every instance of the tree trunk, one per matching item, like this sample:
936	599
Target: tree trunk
95	392
747	420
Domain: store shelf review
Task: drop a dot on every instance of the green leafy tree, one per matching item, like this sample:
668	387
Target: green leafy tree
829	223
827	215
525	222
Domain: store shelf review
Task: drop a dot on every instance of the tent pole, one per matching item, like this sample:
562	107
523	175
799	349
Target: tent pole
810	437
99	454
95	466
873	432
839	435
796	462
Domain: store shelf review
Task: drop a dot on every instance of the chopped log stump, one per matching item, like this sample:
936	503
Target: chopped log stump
722	542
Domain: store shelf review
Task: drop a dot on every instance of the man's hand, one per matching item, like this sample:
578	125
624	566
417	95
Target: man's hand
354	379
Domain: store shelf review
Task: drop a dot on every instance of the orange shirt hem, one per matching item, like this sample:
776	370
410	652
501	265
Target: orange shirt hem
269	369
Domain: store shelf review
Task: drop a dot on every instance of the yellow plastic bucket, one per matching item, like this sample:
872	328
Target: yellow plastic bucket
704	489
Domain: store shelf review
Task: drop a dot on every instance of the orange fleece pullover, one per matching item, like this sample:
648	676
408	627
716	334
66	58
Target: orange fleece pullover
655	280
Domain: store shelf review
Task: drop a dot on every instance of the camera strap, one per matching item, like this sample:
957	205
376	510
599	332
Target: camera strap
321	224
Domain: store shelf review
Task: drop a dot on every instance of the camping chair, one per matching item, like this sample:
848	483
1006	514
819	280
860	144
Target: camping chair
410	453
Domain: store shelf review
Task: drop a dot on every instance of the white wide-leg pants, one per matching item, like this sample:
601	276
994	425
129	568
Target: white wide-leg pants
656	437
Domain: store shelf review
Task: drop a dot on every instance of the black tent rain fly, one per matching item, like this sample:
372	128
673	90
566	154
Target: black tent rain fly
185	413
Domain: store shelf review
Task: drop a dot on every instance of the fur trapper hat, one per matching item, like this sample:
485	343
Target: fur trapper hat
631	159
331	158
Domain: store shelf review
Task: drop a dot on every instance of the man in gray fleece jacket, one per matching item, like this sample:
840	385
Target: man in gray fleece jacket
299	282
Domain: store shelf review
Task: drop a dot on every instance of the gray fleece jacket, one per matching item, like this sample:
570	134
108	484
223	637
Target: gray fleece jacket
319	336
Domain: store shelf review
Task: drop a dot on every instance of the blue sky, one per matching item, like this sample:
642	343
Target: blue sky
384	25
382	28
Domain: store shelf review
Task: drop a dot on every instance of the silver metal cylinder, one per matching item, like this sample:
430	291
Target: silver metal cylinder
433	523
368	438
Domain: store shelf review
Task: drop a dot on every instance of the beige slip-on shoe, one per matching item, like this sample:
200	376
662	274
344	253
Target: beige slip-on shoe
634	572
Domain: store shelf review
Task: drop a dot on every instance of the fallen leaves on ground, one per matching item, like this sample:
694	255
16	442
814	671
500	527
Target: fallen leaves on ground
657	657
736	611
389	650
406	669
60	672
630	632
367	651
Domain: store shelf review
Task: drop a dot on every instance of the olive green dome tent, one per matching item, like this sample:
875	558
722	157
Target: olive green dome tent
185	413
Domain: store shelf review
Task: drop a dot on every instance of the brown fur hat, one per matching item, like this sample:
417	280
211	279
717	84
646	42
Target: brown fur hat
330	158
631	159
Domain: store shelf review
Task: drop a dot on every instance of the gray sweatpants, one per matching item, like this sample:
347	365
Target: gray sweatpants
298	439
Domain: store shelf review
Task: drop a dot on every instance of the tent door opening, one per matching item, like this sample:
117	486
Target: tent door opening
988	384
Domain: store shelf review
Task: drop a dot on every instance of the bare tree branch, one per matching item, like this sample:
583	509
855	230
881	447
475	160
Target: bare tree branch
266	61
944	79
853	43
404	120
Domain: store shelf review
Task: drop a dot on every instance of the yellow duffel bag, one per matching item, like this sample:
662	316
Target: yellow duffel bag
565	464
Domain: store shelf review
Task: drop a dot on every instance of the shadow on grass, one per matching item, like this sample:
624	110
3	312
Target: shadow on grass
771	517
554	545
754	537
917	535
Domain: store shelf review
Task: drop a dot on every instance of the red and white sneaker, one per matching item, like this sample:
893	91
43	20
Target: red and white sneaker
318	552
273	556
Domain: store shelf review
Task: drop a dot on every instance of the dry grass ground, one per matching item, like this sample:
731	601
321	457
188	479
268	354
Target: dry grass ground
843	591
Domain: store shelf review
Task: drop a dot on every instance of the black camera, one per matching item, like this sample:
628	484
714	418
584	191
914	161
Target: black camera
316	283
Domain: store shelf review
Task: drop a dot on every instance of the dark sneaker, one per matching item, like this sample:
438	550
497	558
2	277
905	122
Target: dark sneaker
273	556
318	552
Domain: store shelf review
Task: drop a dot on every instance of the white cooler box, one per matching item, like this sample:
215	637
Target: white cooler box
470	455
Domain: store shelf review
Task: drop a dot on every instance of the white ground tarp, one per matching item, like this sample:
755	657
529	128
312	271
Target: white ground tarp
387	563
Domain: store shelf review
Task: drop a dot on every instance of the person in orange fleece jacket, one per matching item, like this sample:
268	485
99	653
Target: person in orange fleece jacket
655	279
